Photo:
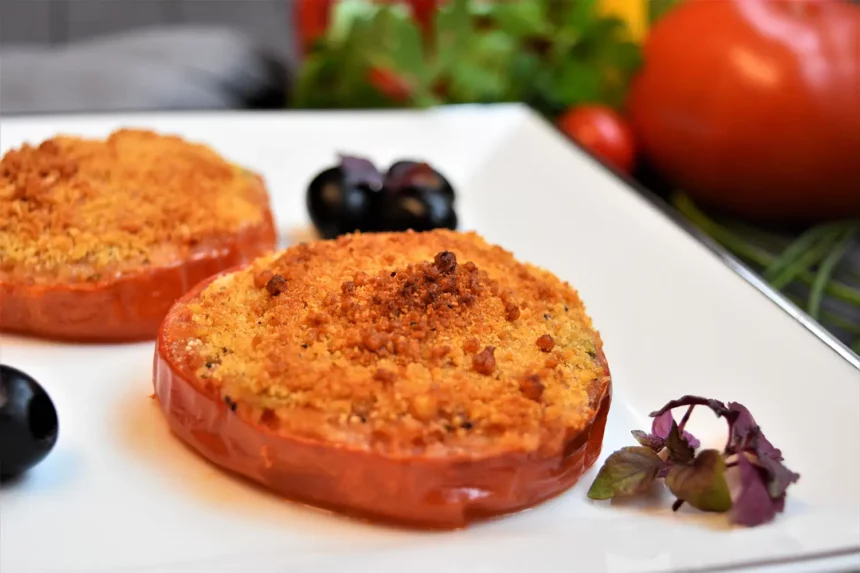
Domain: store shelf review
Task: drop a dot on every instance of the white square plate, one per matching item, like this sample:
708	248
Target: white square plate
119	493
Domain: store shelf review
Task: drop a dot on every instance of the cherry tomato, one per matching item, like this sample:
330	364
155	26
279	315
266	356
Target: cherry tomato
602	132
753	107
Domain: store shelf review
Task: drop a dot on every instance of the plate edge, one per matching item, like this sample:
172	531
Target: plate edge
729	260
819	557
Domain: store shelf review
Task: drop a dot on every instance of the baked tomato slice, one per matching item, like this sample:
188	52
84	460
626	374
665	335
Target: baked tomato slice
99	237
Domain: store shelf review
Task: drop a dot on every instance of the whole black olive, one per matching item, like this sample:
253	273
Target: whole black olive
418	175
416	210
341	199
28	422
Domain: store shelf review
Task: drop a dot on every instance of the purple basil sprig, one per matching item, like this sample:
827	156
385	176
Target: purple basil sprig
669	452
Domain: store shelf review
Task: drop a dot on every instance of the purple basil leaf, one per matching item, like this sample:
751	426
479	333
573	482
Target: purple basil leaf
702	484
651	441
778	476
680	451
691	439
745	433
662	425
358	171
718	407
779	504
753	504
626	472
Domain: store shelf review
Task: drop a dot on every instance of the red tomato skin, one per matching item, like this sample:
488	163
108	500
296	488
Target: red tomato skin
753	107
602	132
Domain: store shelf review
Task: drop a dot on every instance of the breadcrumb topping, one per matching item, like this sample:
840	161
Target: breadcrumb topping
75	209
401	342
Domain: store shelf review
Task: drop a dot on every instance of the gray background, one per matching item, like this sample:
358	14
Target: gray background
55	22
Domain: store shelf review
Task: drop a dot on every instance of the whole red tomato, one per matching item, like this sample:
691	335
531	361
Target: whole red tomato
601	131
753	106
312	17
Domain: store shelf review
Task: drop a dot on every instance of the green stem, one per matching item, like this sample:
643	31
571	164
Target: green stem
825	272
811	256
720	234
799	250
753	254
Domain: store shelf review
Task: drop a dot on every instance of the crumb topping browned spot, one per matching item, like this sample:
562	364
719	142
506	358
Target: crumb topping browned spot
276	285
512	311
532	387
398	342
484	362
76	209
546	343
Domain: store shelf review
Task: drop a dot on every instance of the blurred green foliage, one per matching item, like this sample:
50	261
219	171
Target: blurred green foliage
550	54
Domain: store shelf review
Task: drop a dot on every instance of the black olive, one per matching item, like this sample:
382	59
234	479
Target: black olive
336	208
341	199
355	196
28	422
416	210
418	175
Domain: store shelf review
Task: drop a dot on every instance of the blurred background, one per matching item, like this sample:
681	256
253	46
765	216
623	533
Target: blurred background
742	116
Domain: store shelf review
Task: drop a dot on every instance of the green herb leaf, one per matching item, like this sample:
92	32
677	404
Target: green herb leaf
548	54
604	29
702	484
680	451
626	472
345	14
520	19
453	32
577	82
472	82
403	48
579	14
524	68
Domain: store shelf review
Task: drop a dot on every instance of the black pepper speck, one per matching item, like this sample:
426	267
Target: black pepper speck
230	403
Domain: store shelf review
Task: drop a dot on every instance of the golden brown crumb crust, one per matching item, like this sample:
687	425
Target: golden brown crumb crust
74	210
413	343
